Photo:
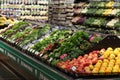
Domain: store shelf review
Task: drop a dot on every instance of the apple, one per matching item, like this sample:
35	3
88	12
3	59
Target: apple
86	56
94	60
87	63
90	57
101	58
79	58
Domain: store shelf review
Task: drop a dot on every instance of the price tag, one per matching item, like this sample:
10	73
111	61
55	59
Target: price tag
30	50
33	51
118	36
50	59
69	1
36	53
41	54
74	68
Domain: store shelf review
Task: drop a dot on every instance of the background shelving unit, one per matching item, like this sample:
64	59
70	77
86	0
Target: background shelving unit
25	9
95	11
60	12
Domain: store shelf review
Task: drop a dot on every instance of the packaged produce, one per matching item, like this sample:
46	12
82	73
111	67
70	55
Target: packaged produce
107	12
110	4
115	11
112	23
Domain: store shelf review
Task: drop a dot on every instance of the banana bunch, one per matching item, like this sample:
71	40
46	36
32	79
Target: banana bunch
110	4
107	12
4	20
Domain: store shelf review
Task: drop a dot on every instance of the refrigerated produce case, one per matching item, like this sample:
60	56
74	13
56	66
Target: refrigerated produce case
31	49
47	72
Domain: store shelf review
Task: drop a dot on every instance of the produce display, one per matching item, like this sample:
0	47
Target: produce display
104	61
102	4
95	21
69	49
97	14
14	29
63	45
58	45
25	33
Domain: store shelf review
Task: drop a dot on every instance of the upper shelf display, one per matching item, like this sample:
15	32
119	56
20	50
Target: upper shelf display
99	15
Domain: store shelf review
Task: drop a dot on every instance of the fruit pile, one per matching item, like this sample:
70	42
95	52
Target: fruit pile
110	62
105	61
78	65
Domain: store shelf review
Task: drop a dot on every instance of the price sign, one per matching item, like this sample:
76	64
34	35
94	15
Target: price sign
69	1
